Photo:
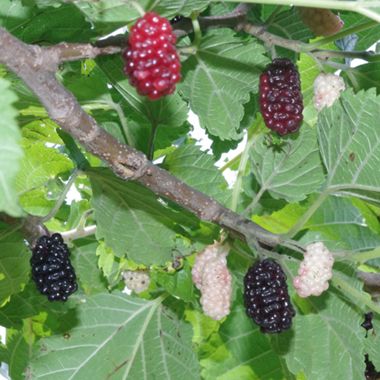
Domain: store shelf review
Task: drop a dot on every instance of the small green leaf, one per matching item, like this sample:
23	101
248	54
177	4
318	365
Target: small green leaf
364	77
197	169
85	262
10	151
291	171
131	220
221	60
14	263
39	165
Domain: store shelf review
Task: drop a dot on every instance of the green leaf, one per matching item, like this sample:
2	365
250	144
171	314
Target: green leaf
26	304
167	115
85	262
10	151
20	352
40	165
14	264
119	337
131	220
52	24
349	140
245	352
220	60
292	171
367	37
178	284
289	25
197	169
364	77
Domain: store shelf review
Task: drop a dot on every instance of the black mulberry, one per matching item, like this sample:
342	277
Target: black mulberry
51	268
266	297
280	97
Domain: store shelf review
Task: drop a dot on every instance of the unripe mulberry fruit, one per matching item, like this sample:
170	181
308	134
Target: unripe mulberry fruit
138	281
151	59
211	276
51	268
315	271
327	89
266	297
322	22
280	97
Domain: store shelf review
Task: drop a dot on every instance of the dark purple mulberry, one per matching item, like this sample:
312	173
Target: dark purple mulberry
280	97
266	297
51	268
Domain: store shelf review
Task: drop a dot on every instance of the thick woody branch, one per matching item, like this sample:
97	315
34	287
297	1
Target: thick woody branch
37	71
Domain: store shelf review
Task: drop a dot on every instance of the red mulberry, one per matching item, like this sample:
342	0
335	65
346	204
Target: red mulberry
266	297
322	22
280	97
151	59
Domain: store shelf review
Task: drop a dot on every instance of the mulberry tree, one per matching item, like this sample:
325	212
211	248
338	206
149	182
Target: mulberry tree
189	189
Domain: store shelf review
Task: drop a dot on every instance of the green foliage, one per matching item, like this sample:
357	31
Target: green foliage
11	152
320	184
119	337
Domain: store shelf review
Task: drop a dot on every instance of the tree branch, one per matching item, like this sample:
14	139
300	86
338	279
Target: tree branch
37	70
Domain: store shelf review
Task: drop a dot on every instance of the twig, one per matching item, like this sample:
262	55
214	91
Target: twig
78	233
129	164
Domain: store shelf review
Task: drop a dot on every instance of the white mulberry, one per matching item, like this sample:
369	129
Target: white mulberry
138	281
327	89
315	271
211	276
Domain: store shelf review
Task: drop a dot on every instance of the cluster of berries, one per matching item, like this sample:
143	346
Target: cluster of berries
51	268
266	297
327	89
151	59
315	271
211	276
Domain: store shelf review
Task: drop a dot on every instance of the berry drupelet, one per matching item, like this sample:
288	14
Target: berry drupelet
51	268
151	59
266	297
280	97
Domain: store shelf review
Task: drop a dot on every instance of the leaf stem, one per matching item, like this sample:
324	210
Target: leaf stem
346	32
362	257
242	169
307	215
357	296
197	30
62	197
152	137
79	232
231	162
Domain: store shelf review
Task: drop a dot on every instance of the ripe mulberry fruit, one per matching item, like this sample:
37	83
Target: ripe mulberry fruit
138	281
322	22
327	89
211	276
151	59
315	271
280	97
266	297
51	268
